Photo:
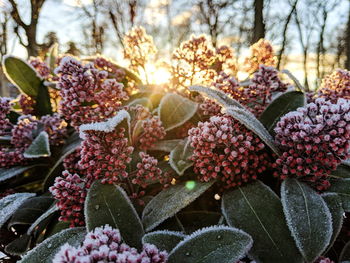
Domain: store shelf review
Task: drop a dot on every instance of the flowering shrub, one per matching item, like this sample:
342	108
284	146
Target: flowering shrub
100	165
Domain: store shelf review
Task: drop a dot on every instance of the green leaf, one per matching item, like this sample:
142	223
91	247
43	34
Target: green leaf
217	95
342	188
43	103
283	104
30	210
166	145
10	204
52	56
40	147
163	240
8	173
22	75
295	80
109	204
334	204
194	220
174	110
170	201
49	212
71	145
342	171
18	246
345	253
212	244
179	157
257	210
308	218
146	102
252	123
46	250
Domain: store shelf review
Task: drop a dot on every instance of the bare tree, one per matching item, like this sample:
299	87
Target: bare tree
347	42
30	29
259	24
4	20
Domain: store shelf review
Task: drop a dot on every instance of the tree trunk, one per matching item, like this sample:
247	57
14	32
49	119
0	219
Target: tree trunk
259	25
347	42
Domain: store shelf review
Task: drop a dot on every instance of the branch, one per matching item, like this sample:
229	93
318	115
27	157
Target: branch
15	15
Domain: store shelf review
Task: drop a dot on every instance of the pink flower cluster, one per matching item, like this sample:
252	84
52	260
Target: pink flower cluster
55	127
71	162
27	104
5	124
103	63
336	85
148	171
324	260
225	60
105	155
70	191
87	93
314	140
151	127
40	66
104	244
259	93
226	150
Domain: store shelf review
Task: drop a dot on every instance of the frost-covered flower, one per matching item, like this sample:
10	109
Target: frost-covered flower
24	131
138	47
314	140
209	107
70	191
226	150
148	171
259	93
104	244
324	260
105	155
71	161
11	156
261	53
87	95
336	85
192	62
40	66
103	63
225	60
27	104
55	127
5	124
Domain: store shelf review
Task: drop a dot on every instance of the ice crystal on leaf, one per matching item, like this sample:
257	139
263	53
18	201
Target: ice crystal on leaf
314	140
104	244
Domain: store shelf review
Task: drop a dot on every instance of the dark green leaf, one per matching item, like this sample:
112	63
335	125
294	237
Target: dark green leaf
49	212
194	220
18	246
174	110
179	157
257	210
345	253
342	171
22	75
170	201
212	244
8	173
165	146
10	204
109	204
46	250
30	210
163	240
342	188
40	147
43	103
308	218
283	104
334	204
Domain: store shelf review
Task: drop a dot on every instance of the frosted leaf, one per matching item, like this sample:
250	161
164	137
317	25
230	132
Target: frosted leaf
179	157
45	215
170	201
334	204
342	188
40	147
7	173
107	204
295	80
308	218
46	250
106	126
252	123
217	95
9	205
257	210
212	244
164	239
174	110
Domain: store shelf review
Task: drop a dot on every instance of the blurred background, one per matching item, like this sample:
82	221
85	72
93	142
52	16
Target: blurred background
310	37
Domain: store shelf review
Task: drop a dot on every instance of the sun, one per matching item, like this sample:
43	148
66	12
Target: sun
157	74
